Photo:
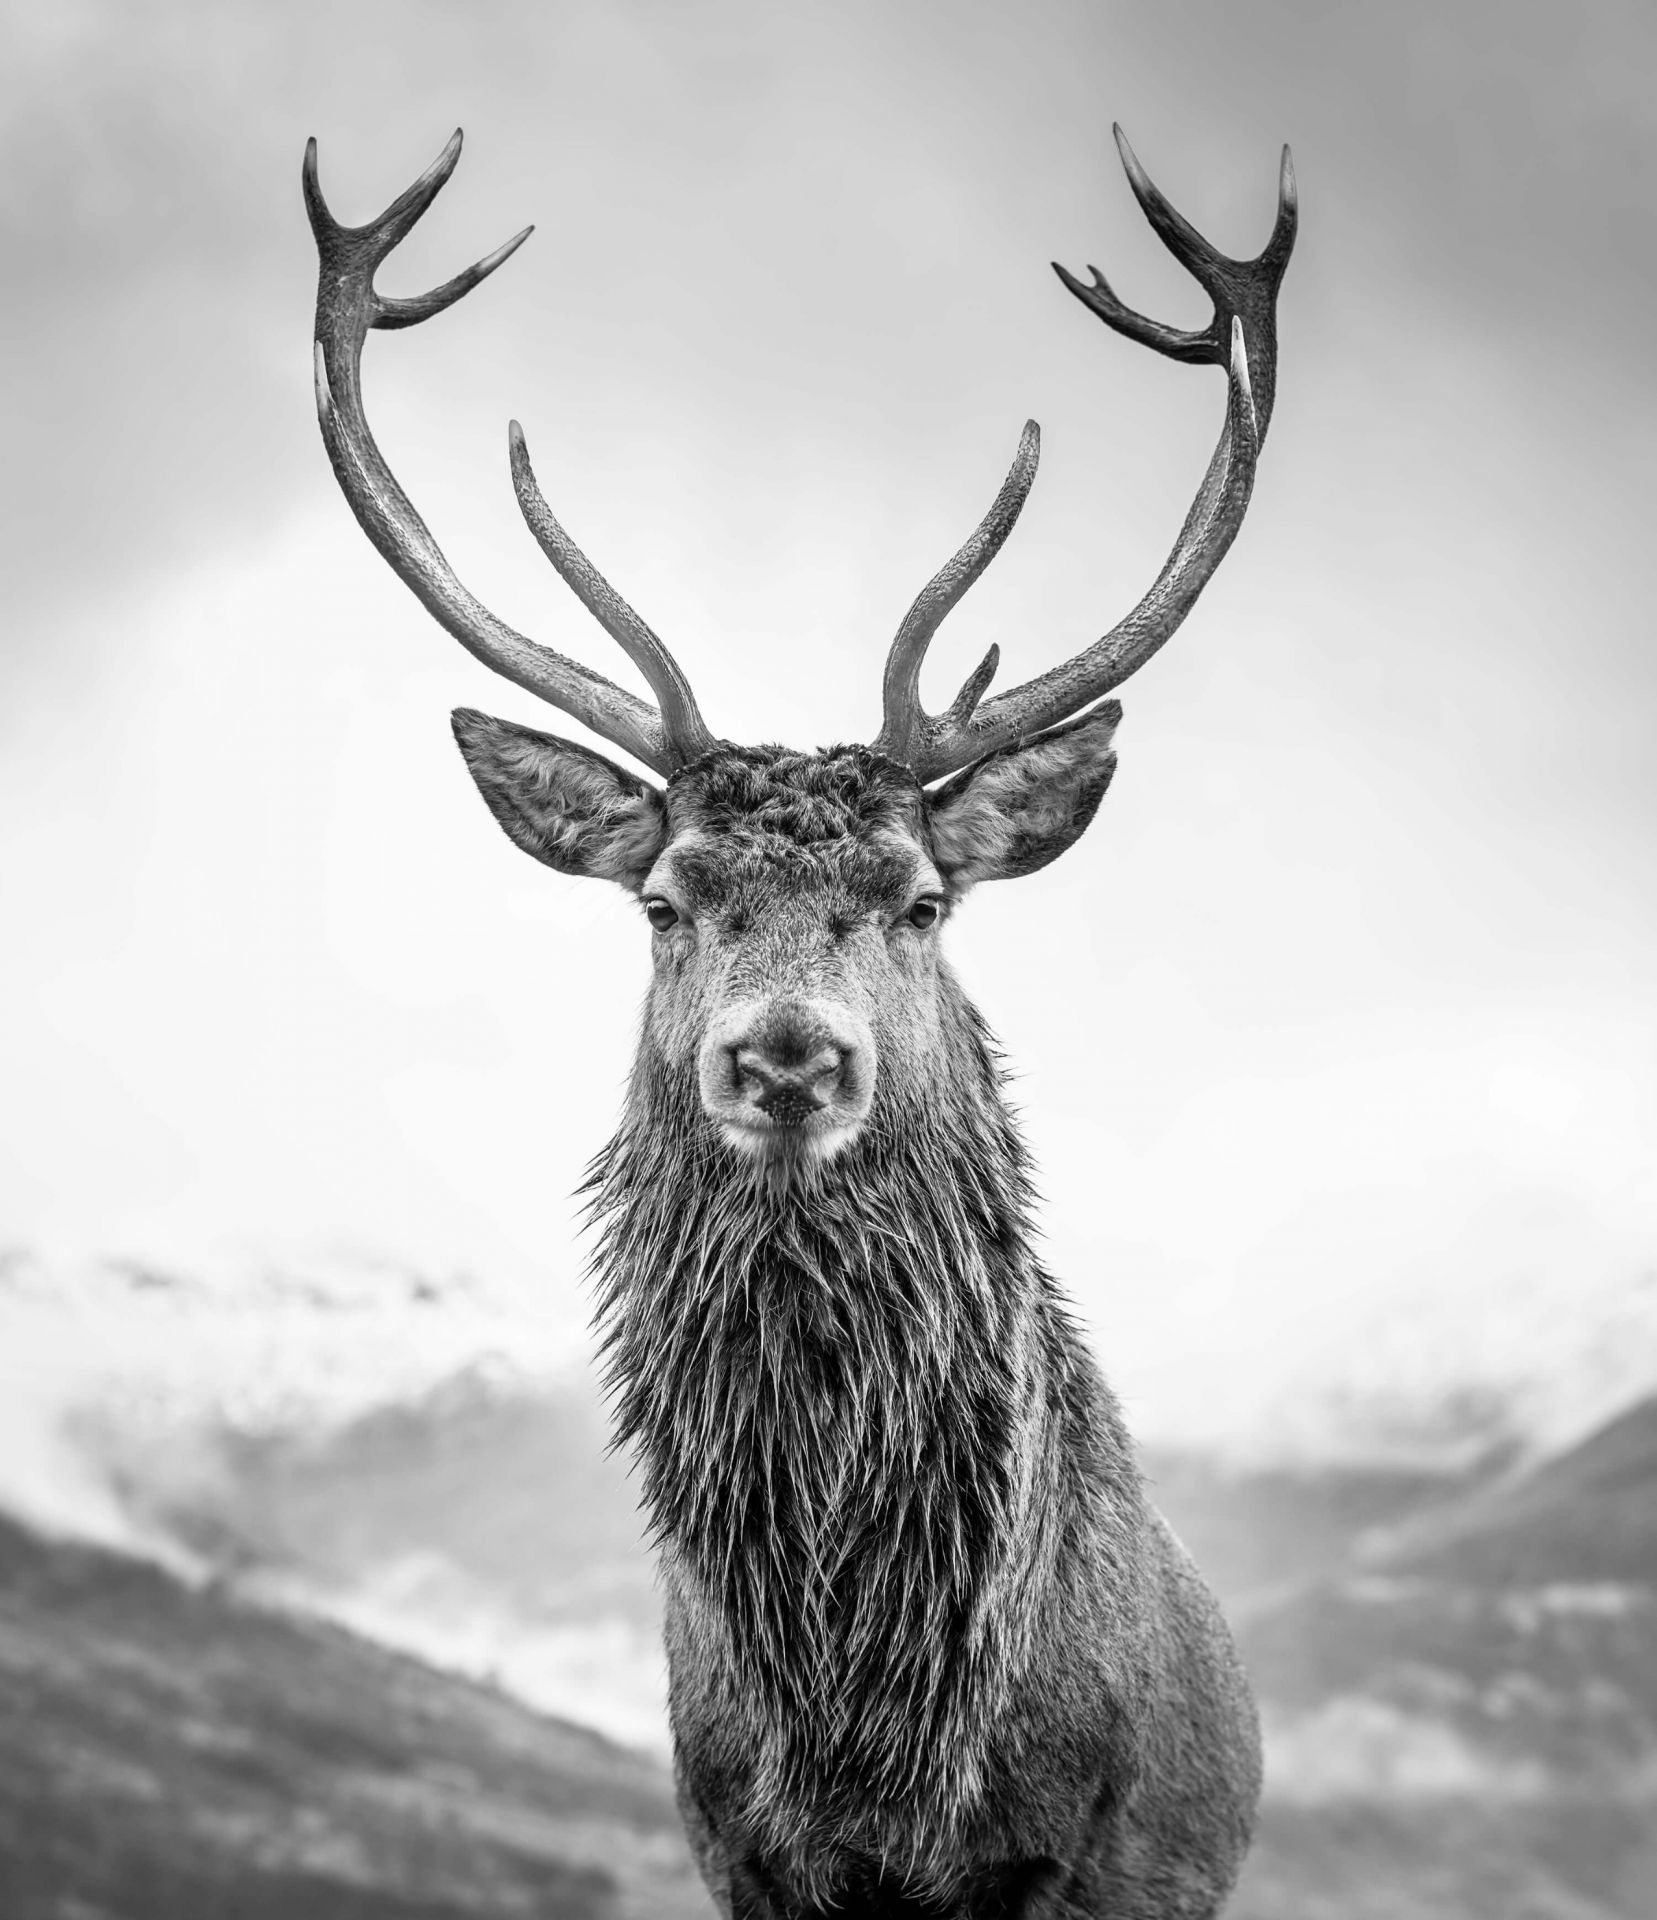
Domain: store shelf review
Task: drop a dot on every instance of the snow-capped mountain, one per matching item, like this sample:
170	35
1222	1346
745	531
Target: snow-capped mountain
118	1364
418	1456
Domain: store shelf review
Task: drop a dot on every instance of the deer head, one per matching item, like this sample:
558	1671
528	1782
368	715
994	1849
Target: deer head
796	899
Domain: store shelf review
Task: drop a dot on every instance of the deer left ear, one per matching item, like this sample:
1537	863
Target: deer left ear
1014	811
567	806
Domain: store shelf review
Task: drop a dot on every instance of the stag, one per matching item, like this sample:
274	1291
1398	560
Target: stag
931	1649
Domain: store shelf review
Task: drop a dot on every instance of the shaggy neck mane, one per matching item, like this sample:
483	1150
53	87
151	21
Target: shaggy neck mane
838	1394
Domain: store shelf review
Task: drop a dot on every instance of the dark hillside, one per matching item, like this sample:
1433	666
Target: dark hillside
1462	1709
170	1754
1588	1516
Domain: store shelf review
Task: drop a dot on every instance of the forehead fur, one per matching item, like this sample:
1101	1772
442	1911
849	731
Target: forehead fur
844	815
842	793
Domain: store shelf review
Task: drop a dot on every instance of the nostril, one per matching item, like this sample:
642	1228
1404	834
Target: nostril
787	1092
748	1064
822	1070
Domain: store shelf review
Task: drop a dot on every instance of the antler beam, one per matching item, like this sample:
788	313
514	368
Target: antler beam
347	306
1242	337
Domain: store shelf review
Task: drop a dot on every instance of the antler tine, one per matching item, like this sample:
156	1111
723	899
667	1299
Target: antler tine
1237	287
904	715
1242	337
347	306
681	720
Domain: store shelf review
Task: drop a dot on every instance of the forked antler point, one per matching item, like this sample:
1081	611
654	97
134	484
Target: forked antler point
348	306
1242	338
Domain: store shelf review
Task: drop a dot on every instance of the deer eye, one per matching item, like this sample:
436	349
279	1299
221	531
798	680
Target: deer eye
924	913
661	914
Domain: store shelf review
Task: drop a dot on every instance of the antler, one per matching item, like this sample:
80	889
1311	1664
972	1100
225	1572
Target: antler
346	307
1242	336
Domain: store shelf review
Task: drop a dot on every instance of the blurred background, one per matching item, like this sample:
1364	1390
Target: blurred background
1335	1038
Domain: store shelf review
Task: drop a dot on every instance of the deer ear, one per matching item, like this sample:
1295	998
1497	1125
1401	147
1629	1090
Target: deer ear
569	807
1014	811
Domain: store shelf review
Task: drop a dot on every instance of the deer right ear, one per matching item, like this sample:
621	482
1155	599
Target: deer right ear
1013	811
569	807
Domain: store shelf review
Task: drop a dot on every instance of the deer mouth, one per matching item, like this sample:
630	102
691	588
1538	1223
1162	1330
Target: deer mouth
816	1135
789	1156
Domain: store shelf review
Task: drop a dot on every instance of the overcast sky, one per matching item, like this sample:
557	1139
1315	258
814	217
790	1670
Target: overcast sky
1338	1025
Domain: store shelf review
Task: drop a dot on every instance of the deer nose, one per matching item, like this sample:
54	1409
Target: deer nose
784	1086
802	1067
